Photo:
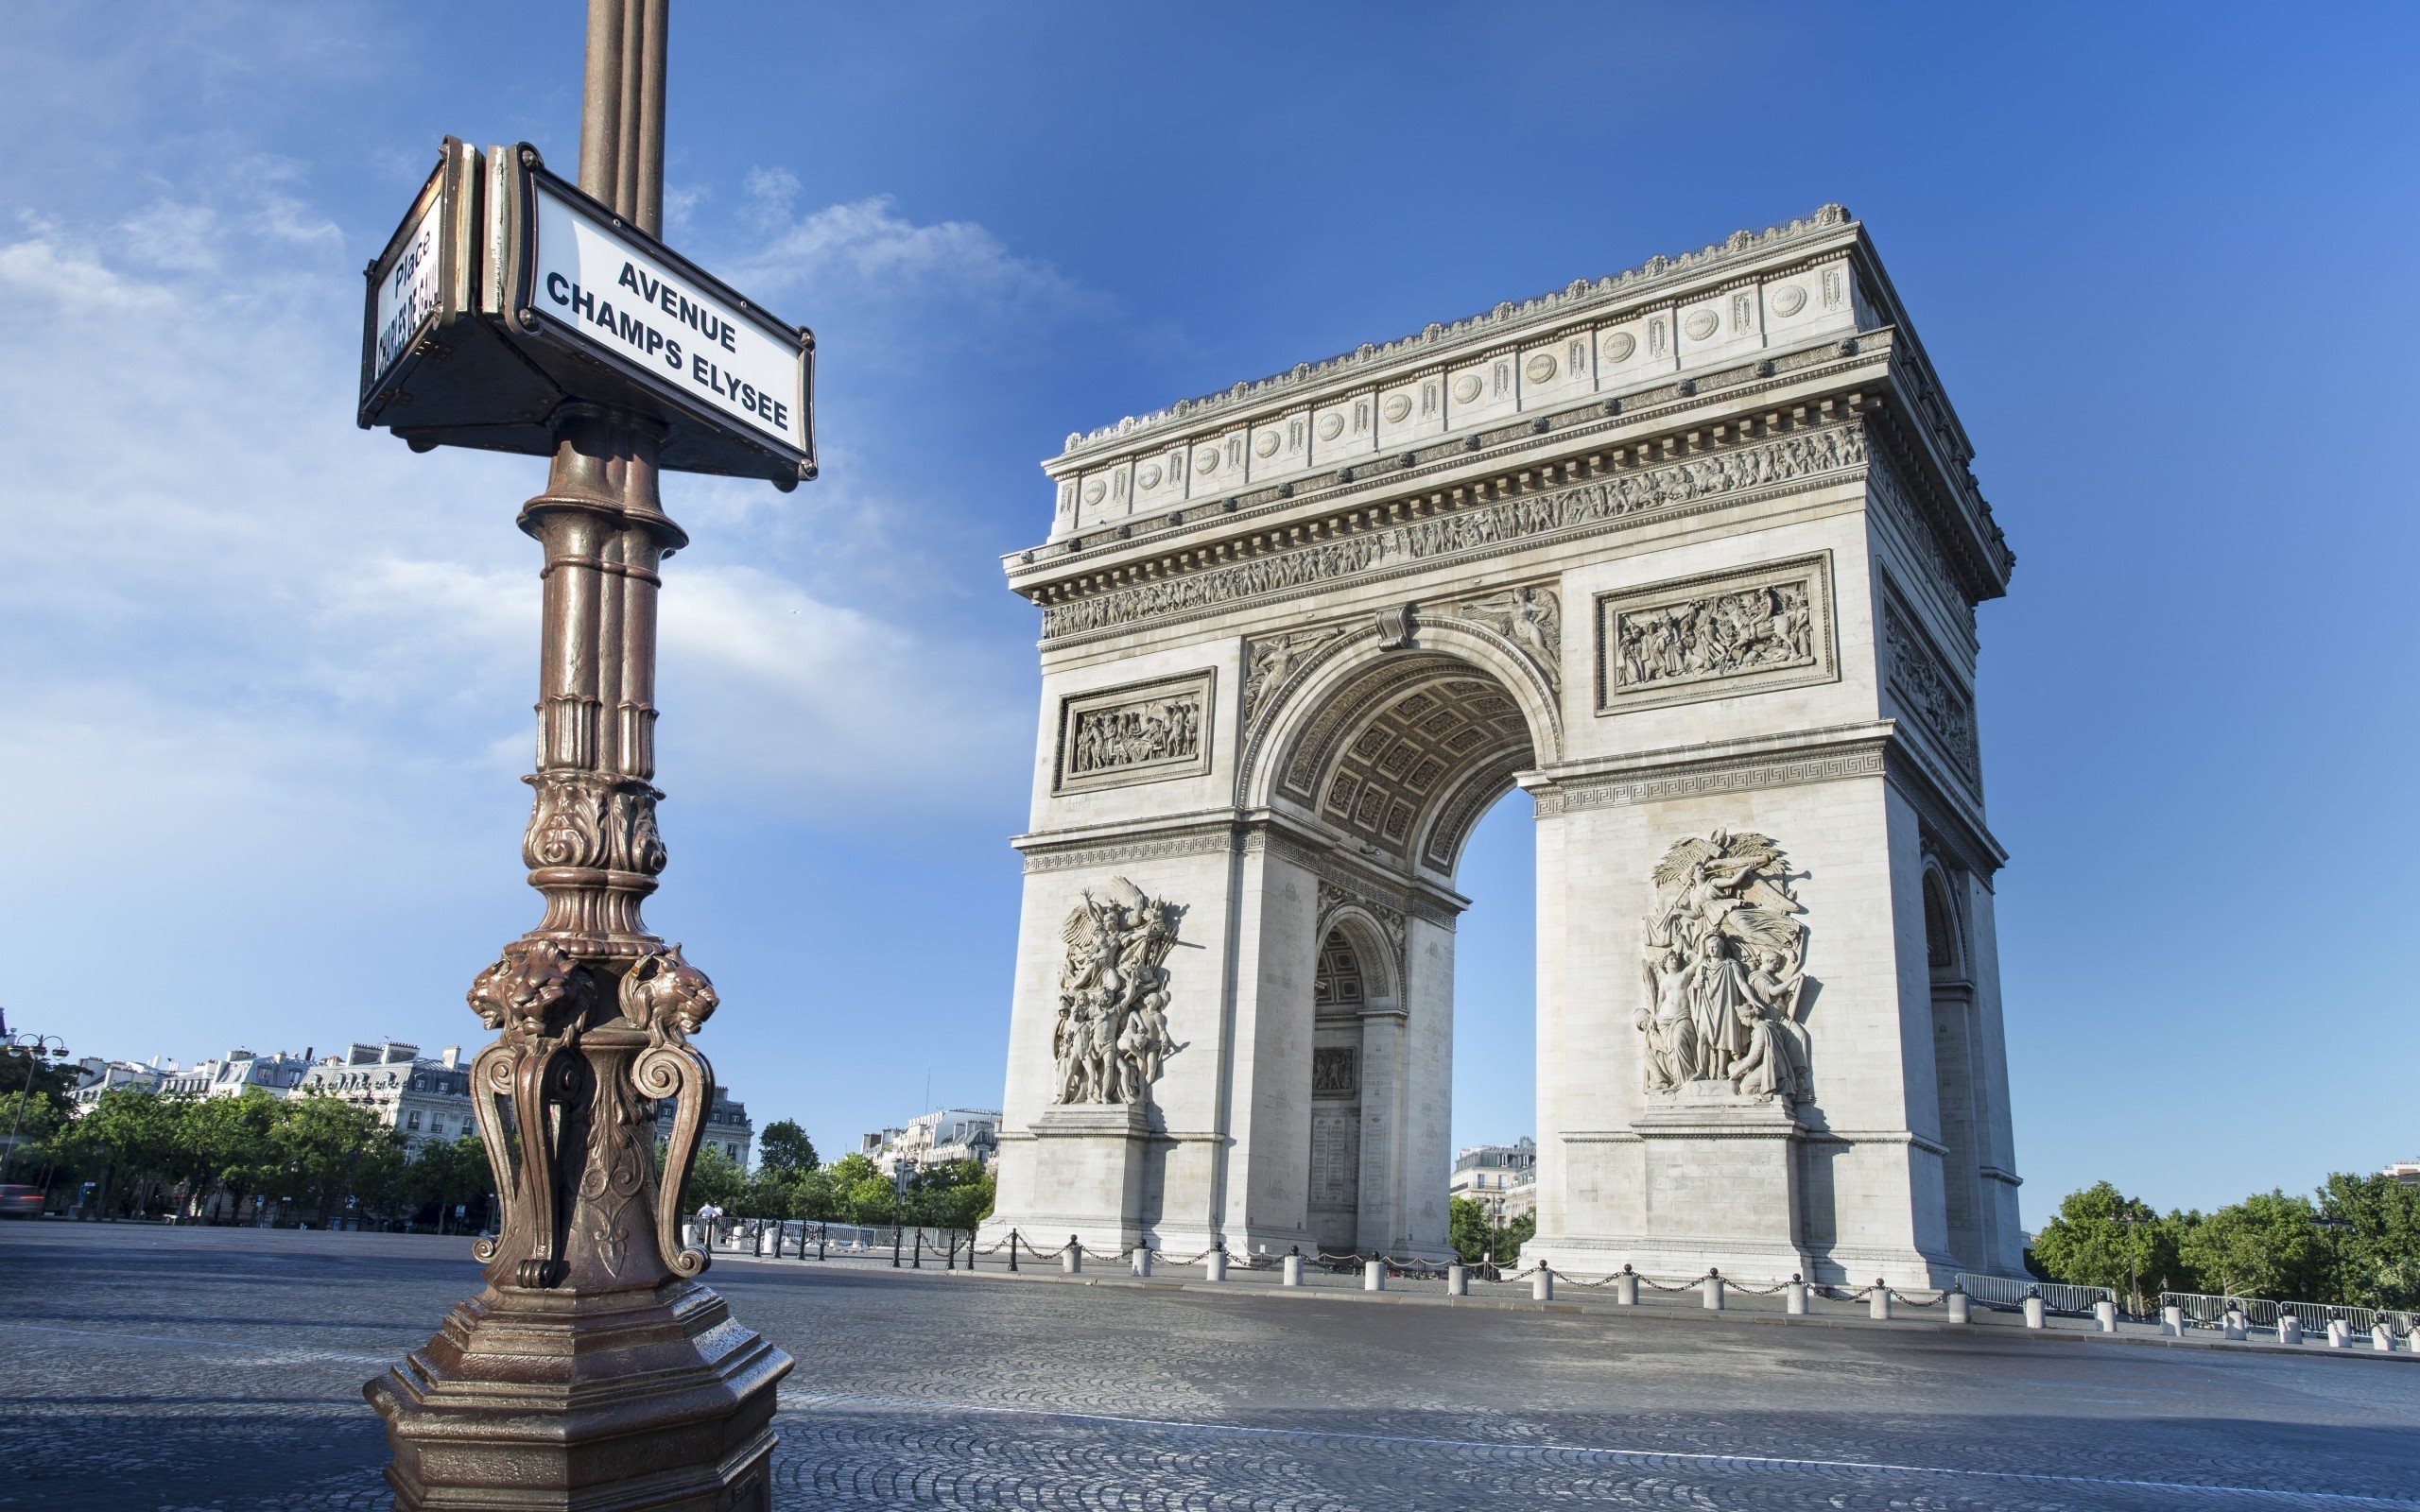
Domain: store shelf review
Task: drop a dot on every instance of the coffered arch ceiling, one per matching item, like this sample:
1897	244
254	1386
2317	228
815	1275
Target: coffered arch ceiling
1407	757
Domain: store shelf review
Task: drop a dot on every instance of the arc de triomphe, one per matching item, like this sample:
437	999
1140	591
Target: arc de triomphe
1691	554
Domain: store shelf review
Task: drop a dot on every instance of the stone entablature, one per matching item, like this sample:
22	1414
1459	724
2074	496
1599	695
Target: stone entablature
1083	559
1780	288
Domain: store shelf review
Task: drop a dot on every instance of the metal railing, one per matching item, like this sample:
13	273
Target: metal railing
2208	1310
2005	1291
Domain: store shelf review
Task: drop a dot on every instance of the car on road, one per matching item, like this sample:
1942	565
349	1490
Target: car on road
20	1202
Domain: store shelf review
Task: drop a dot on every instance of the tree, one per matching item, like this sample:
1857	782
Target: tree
2100	1237
231	1142
2269	1244
785	1147
325	1150
851	1190
1475	1240
448	1175
717	1178
124	1141
2380	1255
952	1194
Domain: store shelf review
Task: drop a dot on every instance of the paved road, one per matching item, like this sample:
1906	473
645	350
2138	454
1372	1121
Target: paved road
187	1369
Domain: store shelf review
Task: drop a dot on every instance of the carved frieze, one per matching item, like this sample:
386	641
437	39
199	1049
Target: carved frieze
1715	636
1138	733
1111	1037
1530	616
1929	695
1336	1070
1492	526
593	819
1725	960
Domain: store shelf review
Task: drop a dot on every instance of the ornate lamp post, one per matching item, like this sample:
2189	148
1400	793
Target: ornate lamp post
593	1370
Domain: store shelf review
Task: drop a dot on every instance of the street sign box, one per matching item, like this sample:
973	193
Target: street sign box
507	292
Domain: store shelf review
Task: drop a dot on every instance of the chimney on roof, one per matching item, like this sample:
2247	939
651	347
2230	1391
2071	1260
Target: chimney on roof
453	1056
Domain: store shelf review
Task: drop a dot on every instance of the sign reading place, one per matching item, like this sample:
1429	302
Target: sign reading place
565	300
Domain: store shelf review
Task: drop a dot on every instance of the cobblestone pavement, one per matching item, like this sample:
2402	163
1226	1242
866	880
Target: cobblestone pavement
175	1370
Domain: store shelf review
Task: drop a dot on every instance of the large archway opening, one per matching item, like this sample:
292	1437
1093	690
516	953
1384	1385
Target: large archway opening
1400	760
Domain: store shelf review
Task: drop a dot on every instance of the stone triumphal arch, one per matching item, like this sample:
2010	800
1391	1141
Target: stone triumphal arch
1692	555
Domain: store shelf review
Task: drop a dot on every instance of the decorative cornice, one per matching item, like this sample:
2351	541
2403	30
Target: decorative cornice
1507	321
1806	756
1490	519
1043	854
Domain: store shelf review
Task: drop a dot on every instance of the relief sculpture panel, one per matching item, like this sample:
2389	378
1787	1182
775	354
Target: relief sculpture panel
1931	696
1135	734
1715	636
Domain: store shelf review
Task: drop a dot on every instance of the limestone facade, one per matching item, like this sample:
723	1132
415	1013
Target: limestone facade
1692	556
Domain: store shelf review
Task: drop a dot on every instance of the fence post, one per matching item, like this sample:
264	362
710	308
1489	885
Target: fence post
1214	1264
2033	1309
1626	1287
1960	1311
1712	1288
1458	1281
1878	1302
894	1246
1013	1250
920	1247
1374	1275
823	1238
1542	1283
1072	1261
1794	1299
953	1248
1142	1259
1292	1273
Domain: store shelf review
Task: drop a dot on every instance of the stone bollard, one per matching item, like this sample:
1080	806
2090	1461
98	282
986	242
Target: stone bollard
1542	1284
2340	1334
1142	1260
689	1236
1878	1302
1626	1287
1213	1265
1458	1281
1374	1275
2105	1317
1961	1309
2239	1328
1713	1291
2289	1329
2382	1339
2172	1321
1793	1297
2035	1315
1071	1261
1292	1273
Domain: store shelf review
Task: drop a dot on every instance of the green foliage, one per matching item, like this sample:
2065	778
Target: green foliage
851	1190
449	1175
2100	1237
953	1195
785	1147
324	1150
2380	1255
1475	1240
2269	1244
717	1178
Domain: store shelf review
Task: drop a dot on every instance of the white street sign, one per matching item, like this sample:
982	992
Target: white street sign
608	290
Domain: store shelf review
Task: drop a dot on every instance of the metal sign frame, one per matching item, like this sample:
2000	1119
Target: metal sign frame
455	189
515	297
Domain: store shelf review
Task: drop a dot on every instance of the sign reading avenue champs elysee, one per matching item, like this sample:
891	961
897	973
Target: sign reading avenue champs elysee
507	292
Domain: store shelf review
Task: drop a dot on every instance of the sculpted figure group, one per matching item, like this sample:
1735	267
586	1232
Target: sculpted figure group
1716	637
1113	1031
1725	958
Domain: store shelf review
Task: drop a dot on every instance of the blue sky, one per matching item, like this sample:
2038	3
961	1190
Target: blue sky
268	676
